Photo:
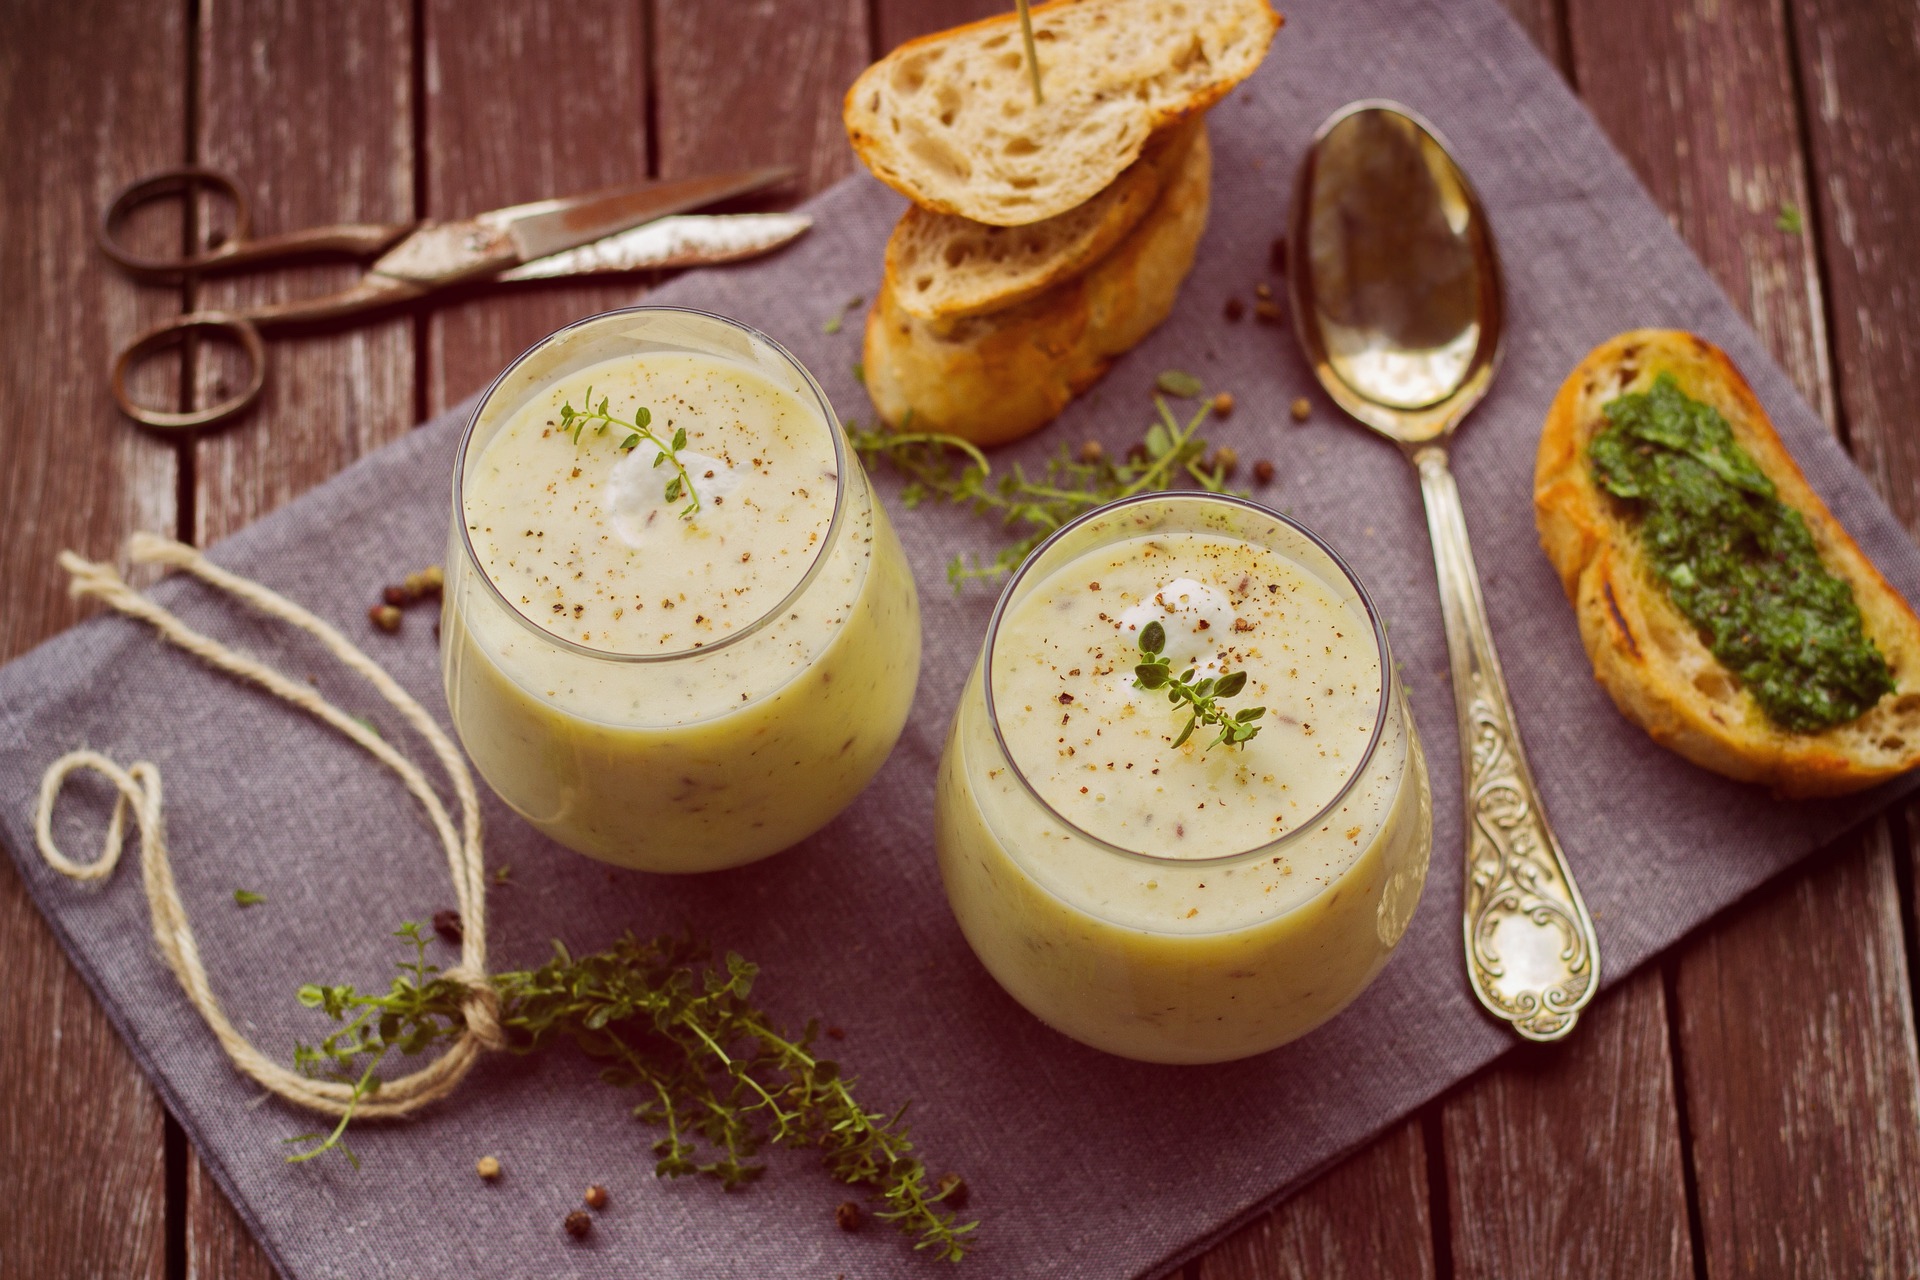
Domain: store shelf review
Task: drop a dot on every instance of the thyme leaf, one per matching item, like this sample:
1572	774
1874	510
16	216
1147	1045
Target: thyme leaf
674	1025
956	471
1202	700
639	428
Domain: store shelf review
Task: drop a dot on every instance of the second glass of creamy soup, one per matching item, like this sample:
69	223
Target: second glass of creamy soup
678	632
1168	900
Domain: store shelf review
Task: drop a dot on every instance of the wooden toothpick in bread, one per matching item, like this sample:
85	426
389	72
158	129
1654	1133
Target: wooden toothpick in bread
1673	542
949	120
996	377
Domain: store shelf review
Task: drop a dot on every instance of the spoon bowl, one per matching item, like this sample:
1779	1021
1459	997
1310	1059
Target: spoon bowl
1397	302
1393	275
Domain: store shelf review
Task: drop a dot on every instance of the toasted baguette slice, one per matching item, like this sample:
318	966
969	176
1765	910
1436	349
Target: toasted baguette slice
949	120
1645	653
997	377
944	266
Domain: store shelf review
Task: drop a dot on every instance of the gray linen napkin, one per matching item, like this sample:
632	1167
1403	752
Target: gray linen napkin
1080	1164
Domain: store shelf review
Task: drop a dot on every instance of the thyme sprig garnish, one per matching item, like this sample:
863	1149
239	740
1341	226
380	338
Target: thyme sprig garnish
639	428
666	1021
947	467
1202	700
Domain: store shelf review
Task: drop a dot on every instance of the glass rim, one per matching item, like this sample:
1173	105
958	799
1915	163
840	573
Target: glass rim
1199	497
786	602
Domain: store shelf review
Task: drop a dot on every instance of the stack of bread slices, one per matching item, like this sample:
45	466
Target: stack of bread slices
1045	237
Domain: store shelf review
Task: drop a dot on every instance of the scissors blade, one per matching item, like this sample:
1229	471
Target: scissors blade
551	226
691	240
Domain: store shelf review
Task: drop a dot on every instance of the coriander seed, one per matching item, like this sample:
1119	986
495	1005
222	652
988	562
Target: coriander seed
596	1197
1302	407
1234	310
1267	312
578	1224
1223	405
449	926
386	617
1225	461
848	1216
395	596
1092	451
487	1167
951	1191
1263	472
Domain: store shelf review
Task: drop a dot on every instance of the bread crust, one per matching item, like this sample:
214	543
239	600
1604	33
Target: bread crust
1646	654
994	378
1005	178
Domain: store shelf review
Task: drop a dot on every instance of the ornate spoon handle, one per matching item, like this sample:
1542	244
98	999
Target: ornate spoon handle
1532	955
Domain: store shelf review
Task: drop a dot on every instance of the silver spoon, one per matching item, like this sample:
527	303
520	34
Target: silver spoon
1396	295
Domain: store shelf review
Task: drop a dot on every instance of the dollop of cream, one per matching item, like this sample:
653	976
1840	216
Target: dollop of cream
1198	620
634	494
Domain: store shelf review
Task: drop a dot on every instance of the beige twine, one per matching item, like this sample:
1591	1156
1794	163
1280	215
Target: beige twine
139	789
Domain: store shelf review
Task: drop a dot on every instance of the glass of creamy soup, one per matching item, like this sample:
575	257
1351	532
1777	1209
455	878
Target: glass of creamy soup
1183	903
678	632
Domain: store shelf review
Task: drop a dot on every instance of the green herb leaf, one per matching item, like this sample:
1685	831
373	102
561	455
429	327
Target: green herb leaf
832	325
1202	700
248	898
1153	637
1790	219
1176	383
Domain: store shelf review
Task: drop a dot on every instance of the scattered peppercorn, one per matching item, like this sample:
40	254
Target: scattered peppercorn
1092	451
449	926
848	1216
1301	408
1223	404
1277	255
487	1167
579	1224
385	616
1137	454
1263	472
1267	312
1225	461
836	1033
1235	309
596	1197
951	1191
1263	290
395	596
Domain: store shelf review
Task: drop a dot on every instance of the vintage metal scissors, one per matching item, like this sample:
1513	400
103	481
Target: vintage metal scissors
617	229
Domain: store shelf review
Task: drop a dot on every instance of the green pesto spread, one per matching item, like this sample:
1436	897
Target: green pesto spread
1738	562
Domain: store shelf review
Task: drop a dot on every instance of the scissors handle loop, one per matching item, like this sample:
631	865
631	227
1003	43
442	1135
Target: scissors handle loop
237	327
355	239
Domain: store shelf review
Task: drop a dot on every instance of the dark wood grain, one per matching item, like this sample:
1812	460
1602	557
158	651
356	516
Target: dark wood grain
1545	24
1798	1047
1366	1217
897	21
756	83
1699	96
1590	1130
311	107
500	129
1860	68
82	1169
1701	99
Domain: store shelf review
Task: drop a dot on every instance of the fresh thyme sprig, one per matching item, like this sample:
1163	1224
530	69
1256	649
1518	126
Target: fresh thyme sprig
948	467
639	427
1202	699
667	1022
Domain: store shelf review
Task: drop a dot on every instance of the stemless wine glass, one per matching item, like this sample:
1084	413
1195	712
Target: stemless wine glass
1203	958
713	754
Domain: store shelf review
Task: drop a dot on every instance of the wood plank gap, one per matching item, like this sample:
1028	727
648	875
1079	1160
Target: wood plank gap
1900	829
1439	1198
1689	1178
1820	314
1563	33
873	54
650	59
422	205
175	1144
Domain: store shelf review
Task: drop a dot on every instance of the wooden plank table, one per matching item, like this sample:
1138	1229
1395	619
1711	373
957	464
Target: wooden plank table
1748	1106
